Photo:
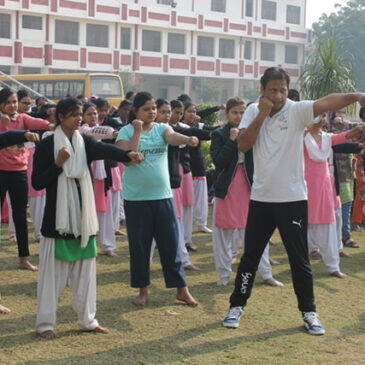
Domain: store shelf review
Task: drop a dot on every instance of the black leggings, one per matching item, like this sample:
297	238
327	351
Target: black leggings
291	220
15	183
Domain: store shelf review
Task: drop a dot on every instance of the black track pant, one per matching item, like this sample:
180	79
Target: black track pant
291	220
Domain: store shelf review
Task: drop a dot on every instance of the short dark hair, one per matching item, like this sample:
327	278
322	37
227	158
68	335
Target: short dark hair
124	103
160	102
274	73
101	102
176	104
66	106
293	94
129	94
233	102
140	99
184	98
5	93
22	93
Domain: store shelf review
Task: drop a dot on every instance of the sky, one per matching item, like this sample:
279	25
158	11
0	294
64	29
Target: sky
315	8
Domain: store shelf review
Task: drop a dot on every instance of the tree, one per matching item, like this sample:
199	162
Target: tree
326	71
347	26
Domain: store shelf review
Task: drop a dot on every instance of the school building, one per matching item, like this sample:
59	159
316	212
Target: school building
215	48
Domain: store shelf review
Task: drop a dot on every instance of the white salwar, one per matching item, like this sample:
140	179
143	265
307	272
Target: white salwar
200	212
226	242
107	229
36	209
54	275
188	223
324	236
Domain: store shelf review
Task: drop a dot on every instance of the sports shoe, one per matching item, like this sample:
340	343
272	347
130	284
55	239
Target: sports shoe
232	319
312	323
204	229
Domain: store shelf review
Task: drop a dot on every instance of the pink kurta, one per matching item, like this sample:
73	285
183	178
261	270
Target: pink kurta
178	200
232	211
187	188
321	203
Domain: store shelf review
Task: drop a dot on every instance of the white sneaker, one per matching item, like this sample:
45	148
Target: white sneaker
232	319
312	323
204	229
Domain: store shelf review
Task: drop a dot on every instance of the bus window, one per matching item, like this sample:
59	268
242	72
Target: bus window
106	86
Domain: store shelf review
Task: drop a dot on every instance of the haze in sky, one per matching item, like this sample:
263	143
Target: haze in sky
315	8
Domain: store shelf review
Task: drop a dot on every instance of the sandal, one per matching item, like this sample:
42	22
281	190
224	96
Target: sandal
350	243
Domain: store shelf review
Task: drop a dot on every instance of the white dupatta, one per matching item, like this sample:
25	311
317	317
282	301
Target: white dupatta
70	217
319	153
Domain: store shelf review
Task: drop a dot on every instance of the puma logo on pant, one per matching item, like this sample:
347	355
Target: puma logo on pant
298	223
245	277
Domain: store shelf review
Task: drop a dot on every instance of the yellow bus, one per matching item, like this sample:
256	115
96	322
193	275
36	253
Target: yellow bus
57	86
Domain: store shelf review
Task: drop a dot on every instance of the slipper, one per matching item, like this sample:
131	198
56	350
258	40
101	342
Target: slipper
350	243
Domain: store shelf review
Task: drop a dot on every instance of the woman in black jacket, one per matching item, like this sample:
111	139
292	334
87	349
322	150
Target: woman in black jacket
234	172
68	247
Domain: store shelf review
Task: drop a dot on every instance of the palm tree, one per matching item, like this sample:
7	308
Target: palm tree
326	71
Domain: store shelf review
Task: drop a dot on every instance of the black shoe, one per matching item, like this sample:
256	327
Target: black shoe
191	248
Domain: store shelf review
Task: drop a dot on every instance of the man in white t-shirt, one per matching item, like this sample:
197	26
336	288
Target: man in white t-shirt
274	128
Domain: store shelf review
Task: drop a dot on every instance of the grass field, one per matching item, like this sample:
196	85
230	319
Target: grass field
165	332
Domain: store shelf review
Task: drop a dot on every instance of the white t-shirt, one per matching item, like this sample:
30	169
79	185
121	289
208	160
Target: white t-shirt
278	152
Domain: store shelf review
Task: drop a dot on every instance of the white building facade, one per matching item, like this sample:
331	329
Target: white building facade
170	46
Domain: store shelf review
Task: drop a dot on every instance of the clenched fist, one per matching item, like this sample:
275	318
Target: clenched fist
62	157
233	133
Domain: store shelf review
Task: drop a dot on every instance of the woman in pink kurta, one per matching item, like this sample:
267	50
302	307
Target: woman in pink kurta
321	204
232	197
13	170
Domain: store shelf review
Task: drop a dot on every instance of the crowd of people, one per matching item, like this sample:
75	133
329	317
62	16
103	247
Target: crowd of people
83	168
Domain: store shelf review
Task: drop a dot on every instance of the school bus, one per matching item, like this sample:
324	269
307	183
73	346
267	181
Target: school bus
57	86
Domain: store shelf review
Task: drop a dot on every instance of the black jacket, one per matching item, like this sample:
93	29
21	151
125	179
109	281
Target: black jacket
174	153
351	147
224	153
11	138
45	174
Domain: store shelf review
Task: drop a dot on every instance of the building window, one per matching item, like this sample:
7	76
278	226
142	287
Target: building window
249	7
176	43
226	48
125	38
205	46
4	25
166	2
293	14
291	54
248	50
268	10
66	32
267	51
218	5
32	22
97	35
151	41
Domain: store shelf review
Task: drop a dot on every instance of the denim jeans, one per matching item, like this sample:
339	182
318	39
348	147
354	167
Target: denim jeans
346	220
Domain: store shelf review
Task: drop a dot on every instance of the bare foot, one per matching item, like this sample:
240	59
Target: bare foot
120	233
183	295
26	265
142	298
110	253
338	274
12	239
48	335
192	267
99	329
4	310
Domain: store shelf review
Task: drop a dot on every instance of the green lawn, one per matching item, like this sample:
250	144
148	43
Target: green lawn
165	332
